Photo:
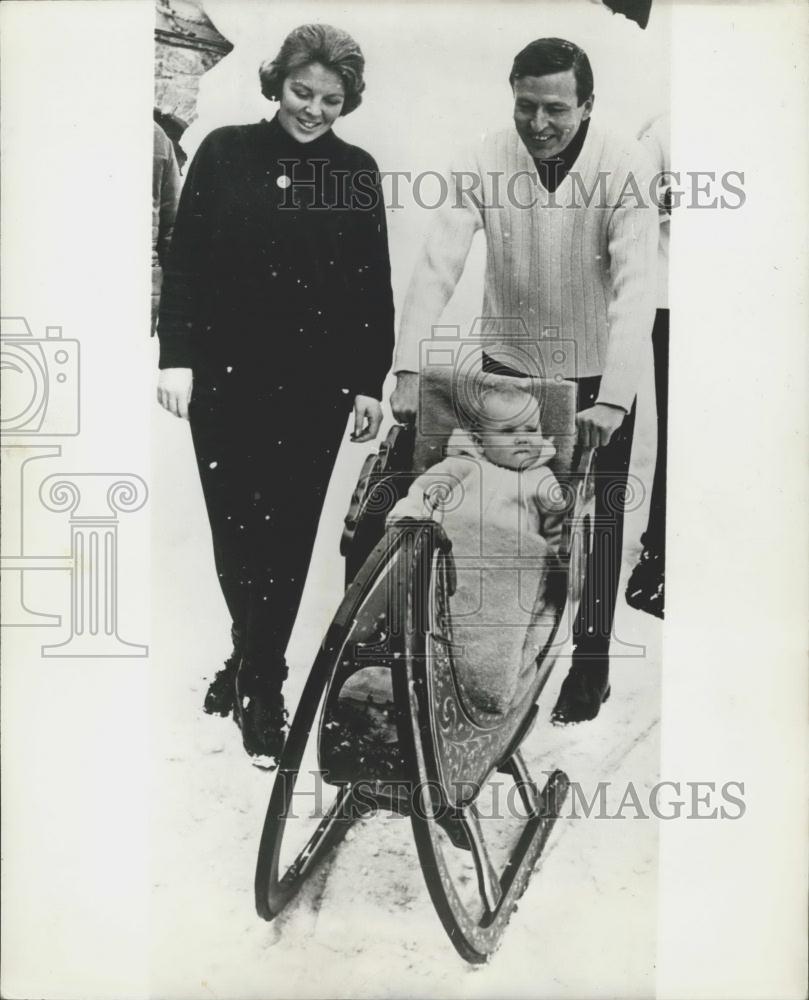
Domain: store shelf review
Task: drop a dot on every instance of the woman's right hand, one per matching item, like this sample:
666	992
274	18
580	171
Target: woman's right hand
174	390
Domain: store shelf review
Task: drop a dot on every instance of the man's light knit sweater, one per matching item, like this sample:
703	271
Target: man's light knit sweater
578	264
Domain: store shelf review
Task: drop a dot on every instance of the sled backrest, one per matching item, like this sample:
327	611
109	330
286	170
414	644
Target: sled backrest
449	399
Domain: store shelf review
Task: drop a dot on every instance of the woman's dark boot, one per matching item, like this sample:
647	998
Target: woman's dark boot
221	694
584	691
260	710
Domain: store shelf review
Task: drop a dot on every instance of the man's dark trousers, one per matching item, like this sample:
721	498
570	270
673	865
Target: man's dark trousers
593	627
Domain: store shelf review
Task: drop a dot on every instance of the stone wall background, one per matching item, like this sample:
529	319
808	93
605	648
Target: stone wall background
187	45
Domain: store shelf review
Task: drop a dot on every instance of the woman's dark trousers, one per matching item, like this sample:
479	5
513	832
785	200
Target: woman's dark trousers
265	454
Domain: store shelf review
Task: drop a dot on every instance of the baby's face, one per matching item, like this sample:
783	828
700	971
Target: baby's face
509	433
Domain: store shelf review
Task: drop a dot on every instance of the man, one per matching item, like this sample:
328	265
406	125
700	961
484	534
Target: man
571	236
646	587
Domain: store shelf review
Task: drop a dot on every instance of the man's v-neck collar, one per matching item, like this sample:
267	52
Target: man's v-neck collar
553	170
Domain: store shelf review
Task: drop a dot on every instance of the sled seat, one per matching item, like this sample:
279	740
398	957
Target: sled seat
358	734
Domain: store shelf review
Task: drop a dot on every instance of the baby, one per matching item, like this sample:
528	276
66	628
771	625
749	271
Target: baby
503	510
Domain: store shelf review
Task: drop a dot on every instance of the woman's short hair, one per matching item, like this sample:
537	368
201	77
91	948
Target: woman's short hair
332	47
555	55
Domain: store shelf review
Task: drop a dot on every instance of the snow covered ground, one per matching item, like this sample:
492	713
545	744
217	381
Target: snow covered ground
364	924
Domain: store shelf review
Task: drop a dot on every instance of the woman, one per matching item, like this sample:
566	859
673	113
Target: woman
276	314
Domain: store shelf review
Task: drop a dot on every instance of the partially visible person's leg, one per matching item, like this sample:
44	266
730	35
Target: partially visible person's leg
587	683
646	587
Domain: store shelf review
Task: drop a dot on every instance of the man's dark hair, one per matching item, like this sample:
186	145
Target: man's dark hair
555	55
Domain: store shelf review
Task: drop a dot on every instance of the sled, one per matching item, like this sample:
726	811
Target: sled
383	722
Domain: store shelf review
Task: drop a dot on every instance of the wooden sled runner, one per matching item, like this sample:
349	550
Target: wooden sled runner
384	722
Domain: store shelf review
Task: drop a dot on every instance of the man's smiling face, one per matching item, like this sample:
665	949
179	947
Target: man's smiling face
547	112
